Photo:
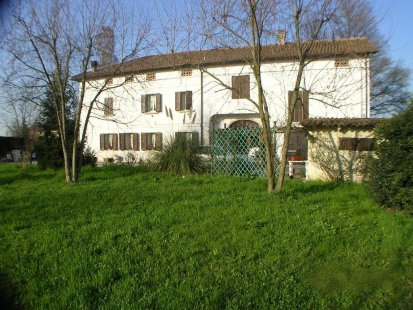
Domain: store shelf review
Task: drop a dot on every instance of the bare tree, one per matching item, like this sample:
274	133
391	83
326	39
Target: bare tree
234	23
389	80
254	23
52	40
309	22
18	114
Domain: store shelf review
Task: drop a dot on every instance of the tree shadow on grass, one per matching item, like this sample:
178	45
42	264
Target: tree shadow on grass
8	295
22	176
318	187
110	171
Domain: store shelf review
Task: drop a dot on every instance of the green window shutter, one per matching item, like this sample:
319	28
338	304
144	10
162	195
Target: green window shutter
177	101
158	141
143	103
136	141
245	86
298	110
158	103
122	141
102	142
188	100
306	100
110	106
235	87
115	141
144	139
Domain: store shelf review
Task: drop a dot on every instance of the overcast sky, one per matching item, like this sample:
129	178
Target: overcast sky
396	25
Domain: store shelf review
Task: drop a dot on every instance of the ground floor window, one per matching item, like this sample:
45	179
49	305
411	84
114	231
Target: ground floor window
151	141
129	141
190	135
109	141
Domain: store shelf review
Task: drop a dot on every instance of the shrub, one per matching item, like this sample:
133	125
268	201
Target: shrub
88	157
391	169
179	155
131	159
49	152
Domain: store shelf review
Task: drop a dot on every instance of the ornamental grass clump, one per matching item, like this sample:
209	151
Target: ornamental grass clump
180	155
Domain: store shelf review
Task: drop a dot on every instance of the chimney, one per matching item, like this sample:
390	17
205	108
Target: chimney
281	34
94	65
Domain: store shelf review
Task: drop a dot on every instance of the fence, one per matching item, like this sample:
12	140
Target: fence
238	151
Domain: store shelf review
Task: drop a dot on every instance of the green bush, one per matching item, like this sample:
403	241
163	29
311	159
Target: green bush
88	157
391	169
179	155
49	152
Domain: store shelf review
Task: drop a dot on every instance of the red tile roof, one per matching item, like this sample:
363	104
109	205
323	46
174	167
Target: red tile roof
318	123
349	48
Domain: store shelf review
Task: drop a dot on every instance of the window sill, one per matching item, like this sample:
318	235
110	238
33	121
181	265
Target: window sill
151	113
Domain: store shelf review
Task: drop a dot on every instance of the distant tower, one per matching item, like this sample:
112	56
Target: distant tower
105	46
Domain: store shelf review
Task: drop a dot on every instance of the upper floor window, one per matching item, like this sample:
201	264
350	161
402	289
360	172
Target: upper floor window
109	141
151	141
240	87
129	79
150	76
186	72
301	106
151	103
129	141
183	100
108	107
341	62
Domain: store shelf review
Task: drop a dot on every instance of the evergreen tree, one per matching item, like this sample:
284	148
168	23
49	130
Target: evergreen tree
48	147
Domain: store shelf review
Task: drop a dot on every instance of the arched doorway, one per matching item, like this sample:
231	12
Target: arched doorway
244	123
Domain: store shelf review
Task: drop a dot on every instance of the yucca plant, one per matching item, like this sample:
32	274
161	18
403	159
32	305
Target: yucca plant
180	155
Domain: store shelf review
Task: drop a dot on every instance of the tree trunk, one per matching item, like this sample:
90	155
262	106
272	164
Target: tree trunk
66	160
266	136
262	103
291	107
75	161
269	158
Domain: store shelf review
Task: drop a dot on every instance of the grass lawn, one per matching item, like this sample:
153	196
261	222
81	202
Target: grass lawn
126	238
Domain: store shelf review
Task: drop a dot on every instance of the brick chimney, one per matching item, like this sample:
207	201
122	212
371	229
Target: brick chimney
94	65
281	34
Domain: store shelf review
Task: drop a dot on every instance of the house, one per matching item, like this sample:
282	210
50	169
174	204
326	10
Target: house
150	99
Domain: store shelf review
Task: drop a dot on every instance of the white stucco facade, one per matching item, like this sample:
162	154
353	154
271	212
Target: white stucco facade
334	91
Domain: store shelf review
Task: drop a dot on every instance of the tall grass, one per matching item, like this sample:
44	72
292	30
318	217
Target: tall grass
179	155
126	238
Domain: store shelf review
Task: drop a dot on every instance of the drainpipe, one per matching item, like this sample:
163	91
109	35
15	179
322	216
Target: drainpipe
367	86
202	108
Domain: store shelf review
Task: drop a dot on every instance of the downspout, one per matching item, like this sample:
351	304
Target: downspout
202	108
367	86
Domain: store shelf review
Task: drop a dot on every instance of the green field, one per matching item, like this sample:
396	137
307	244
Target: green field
126	238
